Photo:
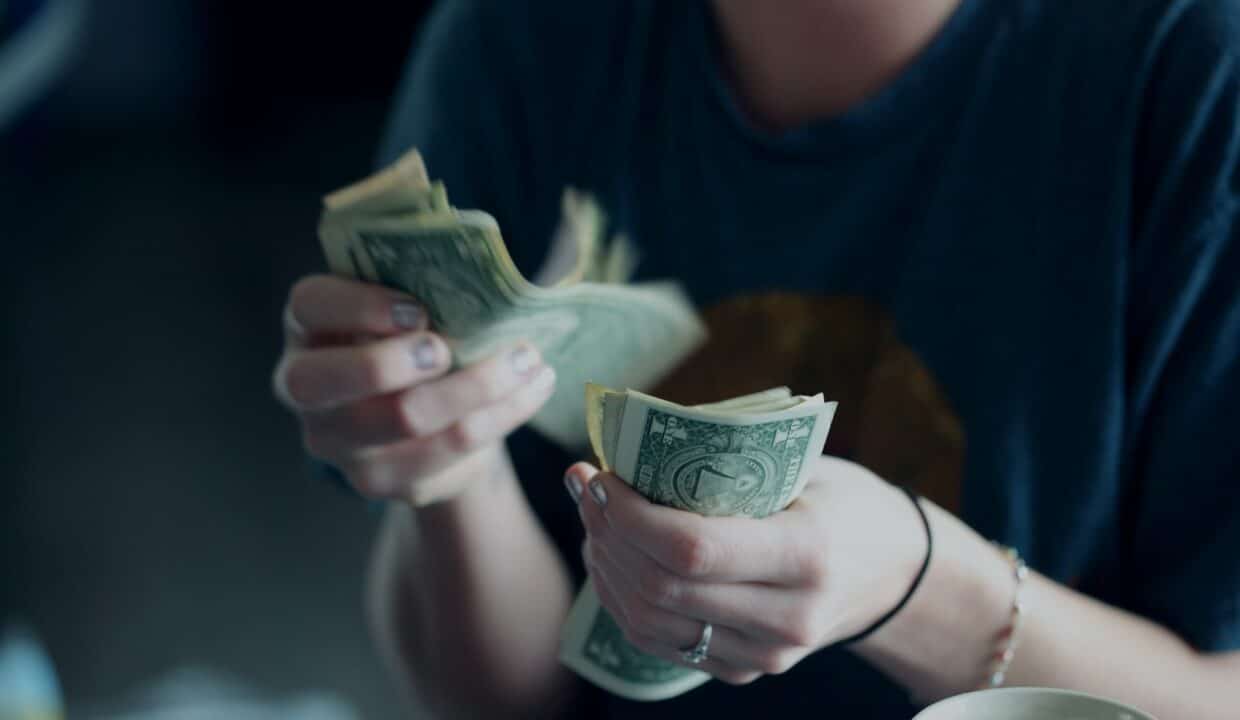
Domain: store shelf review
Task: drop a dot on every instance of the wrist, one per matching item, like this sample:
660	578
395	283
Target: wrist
906	577
942	641
466	488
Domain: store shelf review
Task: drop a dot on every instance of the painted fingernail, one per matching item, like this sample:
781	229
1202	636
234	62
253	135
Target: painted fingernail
424	355
598	492
574	485
407	315
522	360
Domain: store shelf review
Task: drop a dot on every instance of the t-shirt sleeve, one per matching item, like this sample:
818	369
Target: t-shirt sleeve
1184	332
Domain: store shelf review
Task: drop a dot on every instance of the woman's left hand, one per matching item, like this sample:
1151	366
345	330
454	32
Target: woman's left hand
775	589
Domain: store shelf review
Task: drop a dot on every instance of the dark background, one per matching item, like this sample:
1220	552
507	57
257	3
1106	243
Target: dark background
155	205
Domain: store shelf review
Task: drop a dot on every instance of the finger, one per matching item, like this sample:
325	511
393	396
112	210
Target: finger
608	598
334	376
431	407
322	307
715	663
358	426
723	661
707	549
400	469
764	612
669	631
577	478
602	587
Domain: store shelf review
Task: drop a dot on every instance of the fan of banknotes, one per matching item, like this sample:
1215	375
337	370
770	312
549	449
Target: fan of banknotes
745	456
396	228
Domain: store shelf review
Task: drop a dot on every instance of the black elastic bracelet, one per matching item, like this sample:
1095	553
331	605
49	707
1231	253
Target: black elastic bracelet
925	565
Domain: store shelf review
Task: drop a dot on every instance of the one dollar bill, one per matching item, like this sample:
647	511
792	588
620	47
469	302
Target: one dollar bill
746	456
398	229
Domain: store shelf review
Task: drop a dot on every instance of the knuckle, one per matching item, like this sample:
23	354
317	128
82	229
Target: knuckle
414	410
488	382
371	369
800	629
463	436
368	480
299	382
812	568
596	525
303	291
691	555
658	587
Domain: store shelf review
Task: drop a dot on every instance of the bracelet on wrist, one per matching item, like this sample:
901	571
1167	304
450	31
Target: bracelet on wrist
1007	640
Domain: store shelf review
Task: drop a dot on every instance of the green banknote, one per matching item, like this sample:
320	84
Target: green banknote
746	456
398	229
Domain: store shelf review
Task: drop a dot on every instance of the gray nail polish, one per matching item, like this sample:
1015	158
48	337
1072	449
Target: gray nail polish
598	492
407	315
574	486
424	355
522	360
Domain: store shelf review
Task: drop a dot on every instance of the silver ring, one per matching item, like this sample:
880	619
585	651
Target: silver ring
697	654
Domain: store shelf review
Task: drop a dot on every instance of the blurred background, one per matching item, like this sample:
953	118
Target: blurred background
161	165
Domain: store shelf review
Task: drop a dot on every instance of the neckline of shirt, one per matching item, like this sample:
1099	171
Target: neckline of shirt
907	103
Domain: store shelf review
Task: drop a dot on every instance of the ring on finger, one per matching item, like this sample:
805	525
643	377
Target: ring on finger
697	654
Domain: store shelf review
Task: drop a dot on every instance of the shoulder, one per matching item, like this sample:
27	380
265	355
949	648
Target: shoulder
1153	31
1159	78
1130	35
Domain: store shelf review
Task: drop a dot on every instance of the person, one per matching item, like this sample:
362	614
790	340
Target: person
1002	234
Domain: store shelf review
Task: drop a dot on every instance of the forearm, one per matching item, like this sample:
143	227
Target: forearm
467	599
944	639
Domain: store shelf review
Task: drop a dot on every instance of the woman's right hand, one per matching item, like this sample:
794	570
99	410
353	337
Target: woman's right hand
370	384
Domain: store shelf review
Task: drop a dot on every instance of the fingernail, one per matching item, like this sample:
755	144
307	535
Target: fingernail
522	360
574	485
598	492
424	355
407	315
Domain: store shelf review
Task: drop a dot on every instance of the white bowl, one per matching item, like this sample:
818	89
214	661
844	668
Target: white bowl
1029	704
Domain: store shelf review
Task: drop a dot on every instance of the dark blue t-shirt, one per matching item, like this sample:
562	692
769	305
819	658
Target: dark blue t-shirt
1015	266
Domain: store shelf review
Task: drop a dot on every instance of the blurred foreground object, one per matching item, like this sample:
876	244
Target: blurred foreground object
37	40
397	228
200	694
1028	703
29	689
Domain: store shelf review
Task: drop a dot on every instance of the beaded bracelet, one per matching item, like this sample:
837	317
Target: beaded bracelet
1002	659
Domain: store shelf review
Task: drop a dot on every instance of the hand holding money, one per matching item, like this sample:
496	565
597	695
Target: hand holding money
741	459
397	229
373	390
432	347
